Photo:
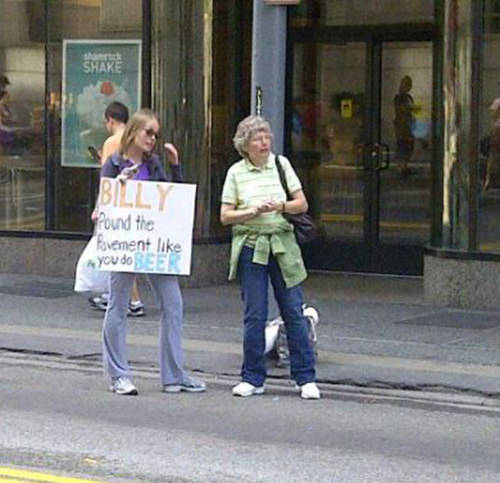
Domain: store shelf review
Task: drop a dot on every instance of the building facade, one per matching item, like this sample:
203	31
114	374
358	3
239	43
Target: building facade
387	108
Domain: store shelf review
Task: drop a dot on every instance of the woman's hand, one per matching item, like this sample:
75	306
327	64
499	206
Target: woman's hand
127	173
172	154
268	206
229	215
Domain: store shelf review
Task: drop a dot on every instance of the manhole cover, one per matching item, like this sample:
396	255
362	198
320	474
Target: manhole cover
456	320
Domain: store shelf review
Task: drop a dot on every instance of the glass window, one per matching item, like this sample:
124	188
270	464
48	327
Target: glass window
492	16
38	193
72	190
361	12
406	130
326	133
489	159
200	84
232	43
22	94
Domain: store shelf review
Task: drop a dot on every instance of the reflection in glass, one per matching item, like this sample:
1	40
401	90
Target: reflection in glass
231	63
73	190
361	12
406	129
489	149
22	145
326	137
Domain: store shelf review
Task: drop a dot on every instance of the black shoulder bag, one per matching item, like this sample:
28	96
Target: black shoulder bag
305	227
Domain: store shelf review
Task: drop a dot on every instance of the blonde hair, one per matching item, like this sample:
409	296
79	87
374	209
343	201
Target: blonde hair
246	129
134	125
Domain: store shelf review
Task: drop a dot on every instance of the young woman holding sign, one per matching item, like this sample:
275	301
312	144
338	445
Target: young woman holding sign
136	160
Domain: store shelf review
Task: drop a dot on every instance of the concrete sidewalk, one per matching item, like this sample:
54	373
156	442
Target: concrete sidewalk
374	331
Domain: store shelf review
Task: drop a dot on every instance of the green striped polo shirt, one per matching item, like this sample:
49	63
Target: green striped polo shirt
247	185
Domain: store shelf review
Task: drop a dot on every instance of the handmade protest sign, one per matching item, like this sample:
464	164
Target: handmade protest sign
145	226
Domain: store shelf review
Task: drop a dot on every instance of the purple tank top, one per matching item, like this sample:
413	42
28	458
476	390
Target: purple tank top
142	174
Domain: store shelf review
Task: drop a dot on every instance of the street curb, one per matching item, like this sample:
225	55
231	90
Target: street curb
277	387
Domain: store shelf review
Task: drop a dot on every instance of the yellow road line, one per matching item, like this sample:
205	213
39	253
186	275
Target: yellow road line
23	476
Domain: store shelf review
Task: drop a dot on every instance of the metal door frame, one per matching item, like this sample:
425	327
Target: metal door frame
369	255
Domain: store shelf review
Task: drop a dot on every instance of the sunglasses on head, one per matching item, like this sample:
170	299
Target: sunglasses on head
152	133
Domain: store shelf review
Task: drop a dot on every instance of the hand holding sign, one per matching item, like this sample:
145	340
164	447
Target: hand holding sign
127	173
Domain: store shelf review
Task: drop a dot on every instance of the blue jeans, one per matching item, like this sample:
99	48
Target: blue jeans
254	280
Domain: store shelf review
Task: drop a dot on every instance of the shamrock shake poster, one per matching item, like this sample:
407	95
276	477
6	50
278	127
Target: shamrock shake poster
95	73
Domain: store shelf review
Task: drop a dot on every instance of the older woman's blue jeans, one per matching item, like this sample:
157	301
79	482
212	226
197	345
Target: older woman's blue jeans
254	280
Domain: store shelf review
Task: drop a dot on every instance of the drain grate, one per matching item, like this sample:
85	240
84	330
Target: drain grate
38	289
456	320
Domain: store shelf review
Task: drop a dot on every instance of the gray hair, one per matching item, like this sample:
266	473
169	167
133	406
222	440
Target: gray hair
246	129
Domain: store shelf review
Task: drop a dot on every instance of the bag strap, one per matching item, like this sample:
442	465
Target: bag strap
281	174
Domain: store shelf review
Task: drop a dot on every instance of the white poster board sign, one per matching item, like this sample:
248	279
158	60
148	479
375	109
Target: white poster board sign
145	226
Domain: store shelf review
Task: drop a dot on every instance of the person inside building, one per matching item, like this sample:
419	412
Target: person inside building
264	248
5	114
116	117
14	140
493	149
136	150
404	107
7	133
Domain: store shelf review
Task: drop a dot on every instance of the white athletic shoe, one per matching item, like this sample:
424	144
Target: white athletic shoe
245	389
123	386
309	391
189	384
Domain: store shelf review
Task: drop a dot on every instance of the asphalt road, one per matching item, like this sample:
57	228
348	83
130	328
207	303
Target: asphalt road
57	416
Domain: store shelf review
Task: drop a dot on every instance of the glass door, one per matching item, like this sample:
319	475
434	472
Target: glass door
405	132
360	138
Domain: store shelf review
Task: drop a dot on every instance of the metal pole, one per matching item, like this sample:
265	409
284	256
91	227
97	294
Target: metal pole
268	66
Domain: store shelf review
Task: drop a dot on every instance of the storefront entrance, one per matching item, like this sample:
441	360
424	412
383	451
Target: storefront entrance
360	134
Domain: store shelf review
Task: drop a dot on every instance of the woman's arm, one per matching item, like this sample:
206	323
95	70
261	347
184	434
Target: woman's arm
229	215
177	176
108	170
296	205
173	161
109	147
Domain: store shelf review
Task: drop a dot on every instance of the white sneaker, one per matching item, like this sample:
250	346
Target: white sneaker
123	386
309	391
245	389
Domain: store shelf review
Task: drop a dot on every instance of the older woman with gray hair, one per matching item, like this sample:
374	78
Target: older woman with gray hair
264	248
